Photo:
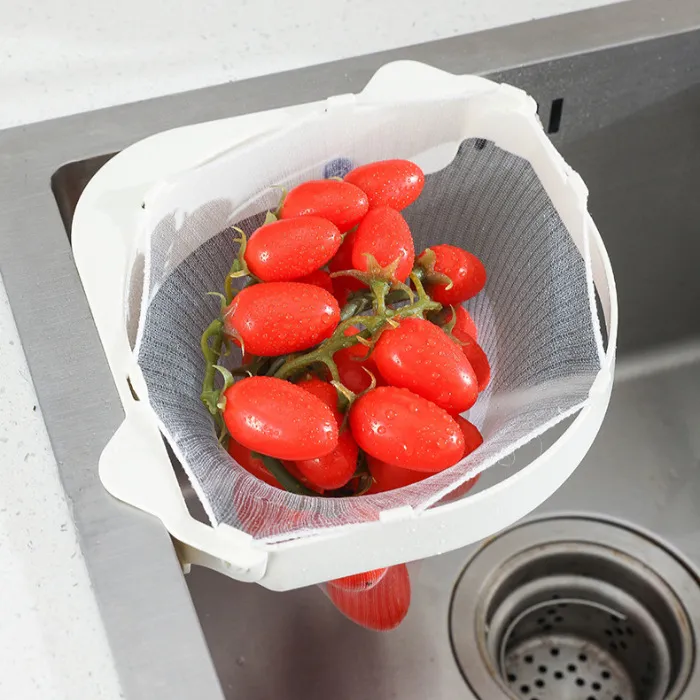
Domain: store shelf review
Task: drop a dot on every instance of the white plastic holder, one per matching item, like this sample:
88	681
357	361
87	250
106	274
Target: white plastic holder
134	466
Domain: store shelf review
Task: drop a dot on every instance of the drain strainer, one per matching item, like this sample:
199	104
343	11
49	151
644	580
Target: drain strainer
576	609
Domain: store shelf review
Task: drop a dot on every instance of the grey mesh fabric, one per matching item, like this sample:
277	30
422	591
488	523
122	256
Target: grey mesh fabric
535	317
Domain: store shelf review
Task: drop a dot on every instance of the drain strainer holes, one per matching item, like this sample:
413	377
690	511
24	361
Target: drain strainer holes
572	609
574	673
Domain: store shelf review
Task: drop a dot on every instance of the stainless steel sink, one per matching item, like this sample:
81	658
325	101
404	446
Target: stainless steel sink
601	579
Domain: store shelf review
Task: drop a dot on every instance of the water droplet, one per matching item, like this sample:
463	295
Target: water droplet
390	414
381	430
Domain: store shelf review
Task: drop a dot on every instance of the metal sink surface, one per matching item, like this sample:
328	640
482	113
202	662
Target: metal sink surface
619	93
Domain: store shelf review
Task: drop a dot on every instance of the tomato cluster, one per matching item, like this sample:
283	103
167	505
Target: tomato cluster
358	356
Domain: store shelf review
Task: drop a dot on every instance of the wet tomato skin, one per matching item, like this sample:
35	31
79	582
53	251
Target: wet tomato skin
319	278
387	477
342	260
279	419
352	363
399	427
383	606
388	183
251	464
276	318
344	286
340	202
324	391
385	235
464	323
466	271
420	356
334	470
288	249
472	436
477	359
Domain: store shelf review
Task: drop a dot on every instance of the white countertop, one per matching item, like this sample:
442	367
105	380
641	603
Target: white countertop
60	57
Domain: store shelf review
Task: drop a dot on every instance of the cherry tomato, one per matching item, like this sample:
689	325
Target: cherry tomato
279	419
251	464
342	260
466	271
359	582
351	366
477	359
275	318
382	607
324	391
319	278
472	436
385	235
464	324
401	428
340	202
421	357
387	477
344	286
291	248
472	440
388	183
256	467
335	469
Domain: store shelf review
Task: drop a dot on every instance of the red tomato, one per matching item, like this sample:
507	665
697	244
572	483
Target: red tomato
324	391
277	418
472	440
385	235
275	318
388	183
288	249
382	607
421	357
251	464
466	271
332	470
401	428
344	286
319	278
339	202
477	359
388	477
464	325
351	366
359	582
472	436
342	260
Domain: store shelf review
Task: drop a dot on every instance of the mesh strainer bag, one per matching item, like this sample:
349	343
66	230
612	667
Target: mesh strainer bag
536	317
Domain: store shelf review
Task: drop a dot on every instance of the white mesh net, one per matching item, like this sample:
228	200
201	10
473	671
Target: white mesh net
536	317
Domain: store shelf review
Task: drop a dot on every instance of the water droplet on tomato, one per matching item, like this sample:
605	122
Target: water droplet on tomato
381	430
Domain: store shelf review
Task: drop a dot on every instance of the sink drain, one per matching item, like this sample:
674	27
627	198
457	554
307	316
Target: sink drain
576	609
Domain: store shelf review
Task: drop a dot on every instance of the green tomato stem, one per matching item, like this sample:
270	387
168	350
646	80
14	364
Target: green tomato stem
372	324
211	351
285	479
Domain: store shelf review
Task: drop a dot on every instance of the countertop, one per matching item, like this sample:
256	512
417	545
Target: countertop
60	57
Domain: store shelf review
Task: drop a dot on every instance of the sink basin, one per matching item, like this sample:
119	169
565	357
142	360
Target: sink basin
616	548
